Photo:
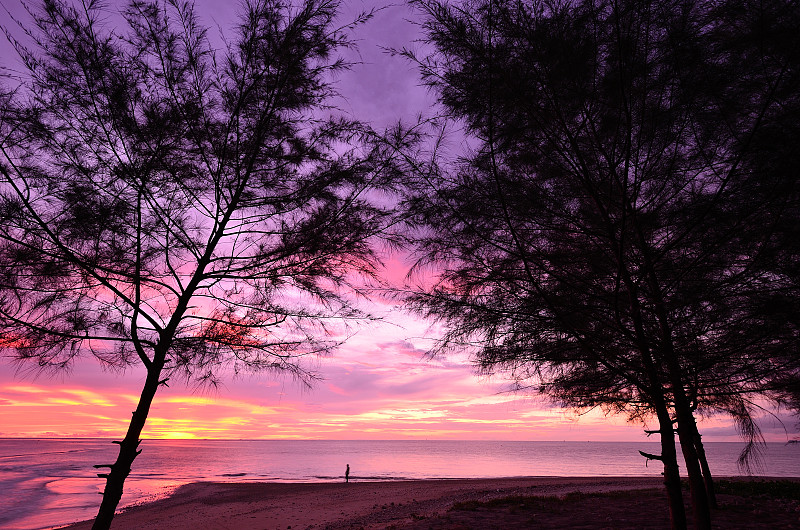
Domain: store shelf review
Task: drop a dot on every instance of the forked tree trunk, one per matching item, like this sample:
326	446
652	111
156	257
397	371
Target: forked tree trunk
701	510
672	477
708	480
669	456
128	451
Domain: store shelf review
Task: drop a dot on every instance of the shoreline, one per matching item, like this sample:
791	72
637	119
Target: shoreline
357	504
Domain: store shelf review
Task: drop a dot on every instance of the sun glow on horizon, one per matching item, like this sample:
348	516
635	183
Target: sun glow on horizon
77	412
379	385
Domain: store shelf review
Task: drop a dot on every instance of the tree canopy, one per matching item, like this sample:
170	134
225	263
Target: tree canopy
615	236
185	208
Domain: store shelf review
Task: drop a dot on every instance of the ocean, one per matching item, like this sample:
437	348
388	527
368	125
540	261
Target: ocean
51	482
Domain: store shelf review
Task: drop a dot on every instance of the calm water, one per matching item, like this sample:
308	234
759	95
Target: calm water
44	483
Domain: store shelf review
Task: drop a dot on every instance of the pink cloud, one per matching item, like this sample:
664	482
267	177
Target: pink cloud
379	385
403	347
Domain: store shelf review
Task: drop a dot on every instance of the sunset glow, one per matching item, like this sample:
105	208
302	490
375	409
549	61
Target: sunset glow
379	385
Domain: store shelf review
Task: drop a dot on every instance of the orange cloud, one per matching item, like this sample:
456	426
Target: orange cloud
379	386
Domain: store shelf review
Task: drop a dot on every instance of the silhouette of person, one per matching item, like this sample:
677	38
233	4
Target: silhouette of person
347	474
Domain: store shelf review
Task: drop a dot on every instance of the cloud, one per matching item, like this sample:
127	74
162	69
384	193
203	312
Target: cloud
402	347
377	386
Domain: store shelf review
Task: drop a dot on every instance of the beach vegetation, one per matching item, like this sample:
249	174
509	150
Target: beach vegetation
740	508
752	489
542	502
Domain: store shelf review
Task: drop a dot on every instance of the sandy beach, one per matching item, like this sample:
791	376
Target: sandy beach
492	503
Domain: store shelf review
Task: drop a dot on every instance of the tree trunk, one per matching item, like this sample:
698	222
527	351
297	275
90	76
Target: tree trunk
128	451
701	510
669	456
672	477
707	478
684	414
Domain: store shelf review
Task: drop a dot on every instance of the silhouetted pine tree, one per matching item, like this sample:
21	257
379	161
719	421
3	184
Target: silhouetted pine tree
178	207
603	242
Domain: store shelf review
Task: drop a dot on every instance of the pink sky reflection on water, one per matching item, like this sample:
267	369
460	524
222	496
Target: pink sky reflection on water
76	499
55	484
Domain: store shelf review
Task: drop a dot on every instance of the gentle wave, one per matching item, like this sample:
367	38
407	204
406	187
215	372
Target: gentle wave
22	455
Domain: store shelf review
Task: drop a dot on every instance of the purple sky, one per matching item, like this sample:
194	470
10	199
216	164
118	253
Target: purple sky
379	385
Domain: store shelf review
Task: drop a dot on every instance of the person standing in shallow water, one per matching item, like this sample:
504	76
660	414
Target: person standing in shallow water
347	474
